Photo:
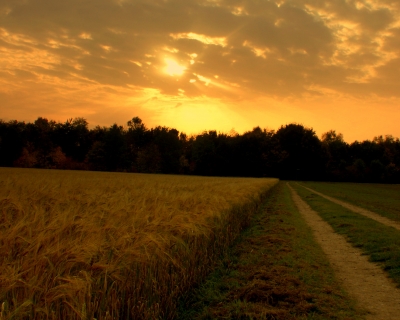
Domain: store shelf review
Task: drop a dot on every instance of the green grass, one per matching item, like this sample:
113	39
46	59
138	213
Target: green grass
380	242
275	270
383	199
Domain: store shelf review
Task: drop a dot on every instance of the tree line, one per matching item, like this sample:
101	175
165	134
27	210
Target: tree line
292	152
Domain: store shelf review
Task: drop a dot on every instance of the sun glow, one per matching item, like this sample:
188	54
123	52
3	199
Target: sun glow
173	68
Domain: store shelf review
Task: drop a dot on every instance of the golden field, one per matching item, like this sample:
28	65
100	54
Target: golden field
97	245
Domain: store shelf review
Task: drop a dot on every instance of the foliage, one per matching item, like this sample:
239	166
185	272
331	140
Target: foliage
292	152
304	153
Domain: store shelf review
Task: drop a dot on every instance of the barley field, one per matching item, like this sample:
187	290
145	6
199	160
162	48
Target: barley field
97	245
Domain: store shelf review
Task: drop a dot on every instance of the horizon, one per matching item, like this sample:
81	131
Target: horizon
205	65
230	132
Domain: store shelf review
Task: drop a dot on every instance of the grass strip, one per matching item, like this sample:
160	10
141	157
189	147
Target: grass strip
380	242
383	199
275	270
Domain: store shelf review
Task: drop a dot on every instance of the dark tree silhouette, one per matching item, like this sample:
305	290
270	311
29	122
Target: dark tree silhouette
169	147
293	152
337	153
204	153
12	141
73	138
115	148
305	156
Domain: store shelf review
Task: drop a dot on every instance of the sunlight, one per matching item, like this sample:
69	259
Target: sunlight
218	41
173	68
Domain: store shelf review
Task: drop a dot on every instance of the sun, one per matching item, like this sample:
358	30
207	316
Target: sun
173	68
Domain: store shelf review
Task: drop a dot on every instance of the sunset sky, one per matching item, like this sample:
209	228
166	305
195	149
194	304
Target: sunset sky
200	65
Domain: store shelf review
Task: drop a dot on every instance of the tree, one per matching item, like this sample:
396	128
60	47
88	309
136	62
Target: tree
136	124
337	155
293	152
149	159
96	157
73	136
137	138
305	156
377	171
169	147
252	152
204	153
358	171
28	159
12	141
115	148
331	136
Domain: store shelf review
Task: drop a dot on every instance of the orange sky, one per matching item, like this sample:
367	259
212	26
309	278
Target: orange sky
201	65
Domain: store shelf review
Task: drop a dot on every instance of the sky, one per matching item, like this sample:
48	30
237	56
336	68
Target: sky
204	65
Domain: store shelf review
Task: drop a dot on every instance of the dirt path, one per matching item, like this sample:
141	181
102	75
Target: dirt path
359	210
365	281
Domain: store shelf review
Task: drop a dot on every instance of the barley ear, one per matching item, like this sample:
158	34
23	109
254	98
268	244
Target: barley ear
2	313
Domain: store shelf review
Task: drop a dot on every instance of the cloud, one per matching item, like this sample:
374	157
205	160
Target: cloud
178	105
227	49
266	47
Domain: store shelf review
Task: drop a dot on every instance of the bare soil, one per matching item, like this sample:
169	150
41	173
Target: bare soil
359	210
365	281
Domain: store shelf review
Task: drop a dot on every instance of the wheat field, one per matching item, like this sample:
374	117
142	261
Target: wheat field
97	245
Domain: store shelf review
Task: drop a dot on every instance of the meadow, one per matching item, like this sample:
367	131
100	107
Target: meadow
380	242
275	270
383	199
97	245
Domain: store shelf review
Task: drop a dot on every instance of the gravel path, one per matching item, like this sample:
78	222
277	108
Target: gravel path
363	280
356	209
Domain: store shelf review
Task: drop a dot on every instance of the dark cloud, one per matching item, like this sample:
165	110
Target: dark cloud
178	105
282	48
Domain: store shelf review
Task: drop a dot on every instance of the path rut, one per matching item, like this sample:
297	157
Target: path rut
363	280
356	209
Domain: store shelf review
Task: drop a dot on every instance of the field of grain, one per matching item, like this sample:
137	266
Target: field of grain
91	245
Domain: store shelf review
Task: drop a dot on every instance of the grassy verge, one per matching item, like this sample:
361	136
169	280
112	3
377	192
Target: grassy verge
275	270
380	242
383	199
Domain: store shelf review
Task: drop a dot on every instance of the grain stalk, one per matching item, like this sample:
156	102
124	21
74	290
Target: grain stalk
113	246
